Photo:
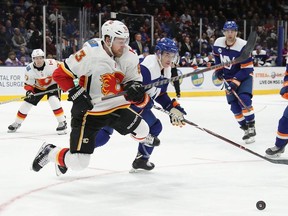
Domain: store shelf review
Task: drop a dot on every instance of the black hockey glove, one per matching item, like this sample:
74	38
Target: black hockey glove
30	95
135	92
81	100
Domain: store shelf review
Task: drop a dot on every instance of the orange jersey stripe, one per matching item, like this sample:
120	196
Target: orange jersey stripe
248	64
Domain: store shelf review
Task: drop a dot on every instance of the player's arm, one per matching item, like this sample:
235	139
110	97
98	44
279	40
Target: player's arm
64	77
218	73
29	82
246	68
75	66
284	89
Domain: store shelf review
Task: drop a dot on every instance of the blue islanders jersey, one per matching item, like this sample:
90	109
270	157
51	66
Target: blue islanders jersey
224	53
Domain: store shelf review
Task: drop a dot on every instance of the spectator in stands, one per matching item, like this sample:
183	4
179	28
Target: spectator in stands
185	19
144	54
23	29
35	41
198	61
5	47
23	61
186	60
259	57
50	47
12	60
18	39
209	60
186	46
284	53
9	32
23	51
137	44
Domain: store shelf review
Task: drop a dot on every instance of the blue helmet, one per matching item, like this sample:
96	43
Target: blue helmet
230	25
167	45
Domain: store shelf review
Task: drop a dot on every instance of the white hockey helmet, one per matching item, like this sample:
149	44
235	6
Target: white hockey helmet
115	28
37	52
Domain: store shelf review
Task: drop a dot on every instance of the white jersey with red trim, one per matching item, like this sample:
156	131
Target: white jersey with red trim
101	75
41	79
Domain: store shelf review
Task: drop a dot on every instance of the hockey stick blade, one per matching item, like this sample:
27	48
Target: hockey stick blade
243	56
275	161
23	97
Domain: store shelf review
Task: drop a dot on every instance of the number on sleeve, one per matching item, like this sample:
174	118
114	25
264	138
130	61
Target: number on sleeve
79	55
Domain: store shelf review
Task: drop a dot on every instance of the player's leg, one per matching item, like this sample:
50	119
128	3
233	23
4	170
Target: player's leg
245	94
281	137
245	118
23	111
82	141
127	121
248	115
55	104
144	151
103	136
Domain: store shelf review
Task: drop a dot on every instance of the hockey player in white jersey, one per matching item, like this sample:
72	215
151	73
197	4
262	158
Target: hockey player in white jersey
154	68
100	75
38	78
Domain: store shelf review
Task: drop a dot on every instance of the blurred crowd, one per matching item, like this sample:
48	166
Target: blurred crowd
21	26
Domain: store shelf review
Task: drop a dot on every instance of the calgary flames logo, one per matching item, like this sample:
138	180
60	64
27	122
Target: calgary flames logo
44	81
111	83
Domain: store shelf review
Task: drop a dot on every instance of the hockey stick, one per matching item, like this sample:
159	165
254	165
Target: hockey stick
236	95
24	97
275	161
243	56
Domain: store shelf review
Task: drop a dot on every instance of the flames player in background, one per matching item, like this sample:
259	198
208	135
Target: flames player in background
239	77
282	133
100	75
153	68
38	78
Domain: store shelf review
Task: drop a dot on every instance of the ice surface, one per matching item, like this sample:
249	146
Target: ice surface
196	174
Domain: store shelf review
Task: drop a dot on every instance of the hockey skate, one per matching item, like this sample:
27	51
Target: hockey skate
60	170
62	128
274	151
249	133
13	127
141	163
41	158
151	141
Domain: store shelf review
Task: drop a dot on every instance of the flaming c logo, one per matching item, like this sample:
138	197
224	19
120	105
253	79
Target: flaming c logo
44	81
111	83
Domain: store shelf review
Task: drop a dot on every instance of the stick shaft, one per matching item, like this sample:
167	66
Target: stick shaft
275	161
244	55
237	96
23	97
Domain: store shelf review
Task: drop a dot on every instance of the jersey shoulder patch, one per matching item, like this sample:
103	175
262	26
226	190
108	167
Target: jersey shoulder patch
28	67
93	43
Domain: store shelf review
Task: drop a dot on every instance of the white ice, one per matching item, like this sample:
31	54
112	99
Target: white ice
196	174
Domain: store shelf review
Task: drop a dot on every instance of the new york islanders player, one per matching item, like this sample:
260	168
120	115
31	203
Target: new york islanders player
153	68
38	78
239	77
100	75
282	133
